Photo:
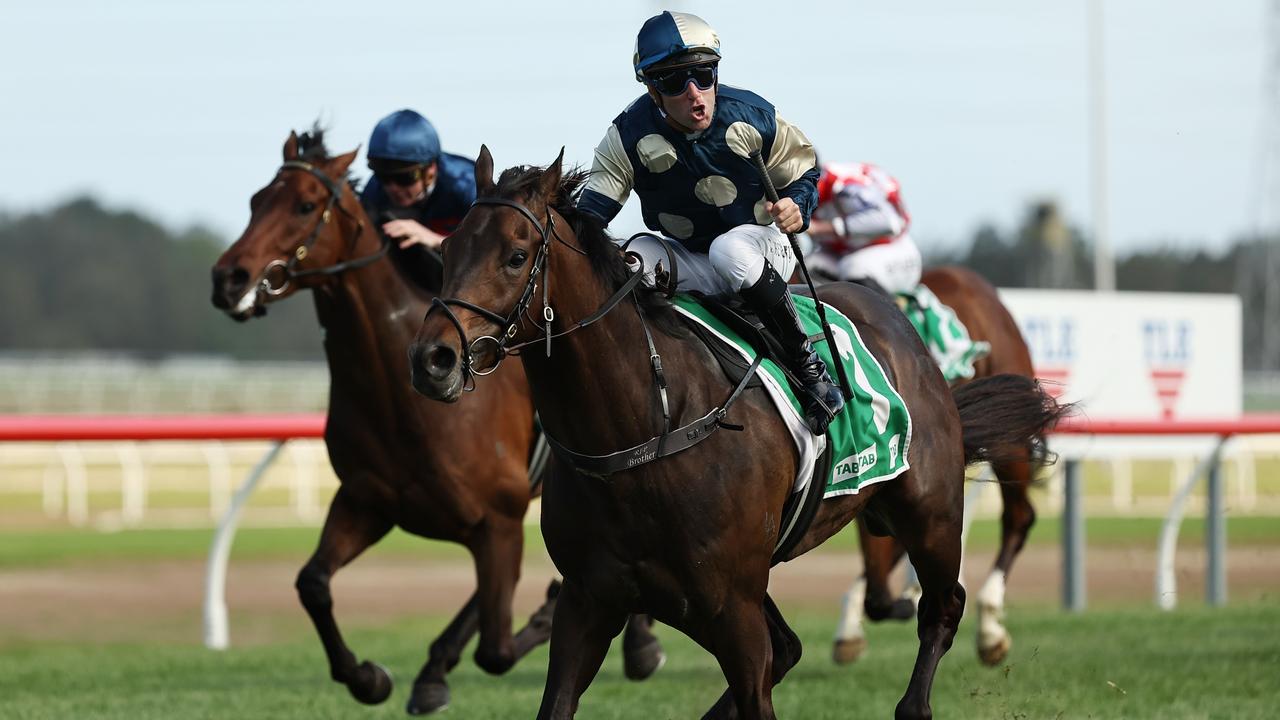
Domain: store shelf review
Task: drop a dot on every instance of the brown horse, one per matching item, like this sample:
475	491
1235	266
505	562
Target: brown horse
978	307
689	537
457	474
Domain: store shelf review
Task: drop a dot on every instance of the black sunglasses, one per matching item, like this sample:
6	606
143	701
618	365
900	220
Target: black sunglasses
403	178
673	82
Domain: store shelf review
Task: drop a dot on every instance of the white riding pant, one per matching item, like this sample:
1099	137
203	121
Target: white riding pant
734	261
896	266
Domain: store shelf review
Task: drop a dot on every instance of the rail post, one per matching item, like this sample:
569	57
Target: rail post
216	633
1073	585
1215	535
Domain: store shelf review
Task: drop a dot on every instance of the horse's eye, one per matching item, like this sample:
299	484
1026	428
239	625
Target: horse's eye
517	259
306	208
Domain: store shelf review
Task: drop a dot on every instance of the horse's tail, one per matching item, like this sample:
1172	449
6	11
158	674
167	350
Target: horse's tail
1004	416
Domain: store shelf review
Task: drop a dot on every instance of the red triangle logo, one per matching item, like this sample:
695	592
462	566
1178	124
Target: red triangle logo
1168	383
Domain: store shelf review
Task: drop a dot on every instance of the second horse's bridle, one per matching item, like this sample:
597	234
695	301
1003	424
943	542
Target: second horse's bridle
287	269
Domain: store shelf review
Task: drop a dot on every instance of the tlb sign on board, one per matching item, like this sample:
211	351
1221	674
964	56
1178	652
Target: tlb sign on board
1135	355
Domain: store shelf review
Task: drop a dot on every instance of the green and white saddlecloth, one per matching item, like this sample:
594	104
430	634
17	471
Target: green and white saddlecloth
944	335
870	437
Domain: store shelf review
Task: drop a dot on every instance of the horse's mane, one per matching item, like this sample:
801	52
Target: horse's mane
602	249
311	148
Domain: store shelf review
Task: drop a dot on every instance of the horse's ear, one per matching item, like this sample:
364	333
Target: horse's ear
291	147
484	171
550	184
338	166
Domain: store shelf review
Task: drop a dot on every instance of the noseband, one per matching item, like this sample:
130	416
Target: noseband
287	269
511	322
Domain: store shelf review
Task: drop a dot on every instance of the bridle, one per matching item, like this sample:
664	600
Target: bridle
510	323
669	441
286	270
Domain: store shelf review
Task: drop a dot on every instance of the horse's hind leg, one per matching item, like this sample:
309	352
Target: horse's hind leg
929	523
348	530
580	637
642	653
1015	524
430	691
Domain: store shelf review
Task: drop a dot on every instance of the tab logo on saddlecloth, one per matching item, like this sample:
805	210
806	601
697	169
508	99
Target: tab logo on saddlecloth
854	465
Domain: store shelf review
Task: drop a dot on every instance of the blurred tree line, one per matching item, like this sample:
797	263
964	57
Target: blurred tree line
1045	252
81	277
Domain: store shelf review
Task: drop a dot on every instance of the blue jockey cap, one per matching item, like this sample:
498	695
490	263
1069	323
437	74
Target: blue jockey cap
406	136
673	39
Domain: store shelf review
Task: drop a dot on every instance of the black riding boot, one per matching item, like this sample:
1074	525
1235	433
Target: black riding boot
771	301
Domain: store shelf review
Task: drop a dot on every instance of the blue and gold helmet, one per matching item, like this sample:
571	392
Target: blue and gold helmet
404	136
673	39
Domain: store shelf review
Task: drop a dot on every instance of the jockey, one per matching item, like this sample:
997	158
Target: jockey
417	194
684	147
860	229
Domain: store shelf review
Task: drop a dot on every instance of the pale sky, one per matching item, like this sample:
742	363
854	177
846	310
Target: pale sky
179	109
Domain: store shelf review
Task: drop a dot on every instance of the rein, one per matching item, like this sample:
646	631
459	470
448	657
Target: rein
666	443
287	270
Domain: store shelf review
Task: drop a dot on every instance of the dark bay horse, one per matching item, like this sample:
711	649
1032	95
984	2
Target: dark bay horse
690	537
978	307
448	473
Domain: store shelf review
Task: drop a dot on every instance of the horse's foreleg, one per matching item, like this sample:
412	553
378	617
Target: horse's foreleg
642	653
497	558
851	634
869	595
744	643
1015	524
430	691
881	555
580	637
348	530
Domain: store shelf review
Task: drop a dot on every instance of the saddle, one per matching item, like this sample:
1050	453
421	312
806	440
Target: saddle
801	507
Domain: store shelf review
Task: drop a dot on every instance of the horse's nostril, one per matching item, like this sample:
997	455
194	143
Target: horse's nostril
230	281
441	360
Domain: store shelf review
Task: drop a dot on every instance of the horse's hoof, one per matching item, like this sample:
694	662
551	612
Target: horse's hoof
427	698
848	651
642	662
495	663
910	711
902	609
995	653
371	684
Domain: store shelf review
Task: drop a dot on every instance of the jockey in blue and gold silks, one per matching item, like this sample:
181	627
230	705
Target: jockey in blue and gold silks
418	194
684	148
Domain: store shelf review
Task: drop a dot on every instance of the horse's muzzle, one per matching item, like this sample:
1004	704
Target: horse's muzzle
233	293
435	370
